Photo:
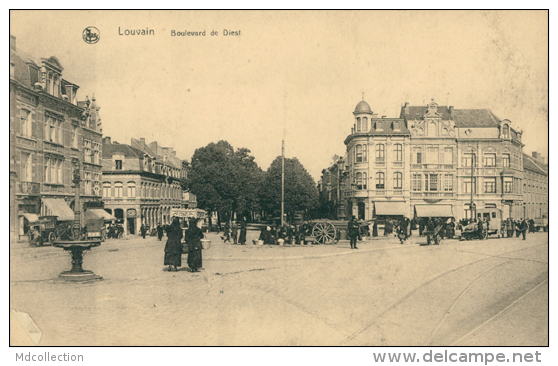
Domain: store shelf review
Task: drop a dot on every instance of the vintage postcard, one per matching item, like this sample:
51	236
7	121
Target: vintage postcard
279	178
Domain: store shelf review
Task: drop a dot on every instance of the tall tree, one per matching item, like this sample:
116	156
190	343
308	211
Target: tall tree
301	193
224	180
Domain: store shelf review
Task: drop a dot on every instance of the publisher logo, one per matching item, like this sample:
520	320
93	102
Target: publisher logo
91	35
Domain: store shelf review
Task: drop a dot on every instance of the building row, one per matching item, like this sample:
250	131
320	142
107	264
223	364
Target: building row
55	135
459	162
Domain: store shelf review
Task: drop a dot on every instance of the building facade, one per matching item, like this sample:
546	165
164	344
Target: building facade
138	188
535	187
52	133
465	162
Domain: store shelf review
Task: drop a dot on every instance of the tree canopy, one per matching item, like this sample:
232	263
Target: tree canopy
224	180
301	193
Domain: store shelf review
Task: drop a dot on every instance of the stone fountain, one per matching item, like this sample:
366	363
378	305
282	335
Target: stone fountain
77	246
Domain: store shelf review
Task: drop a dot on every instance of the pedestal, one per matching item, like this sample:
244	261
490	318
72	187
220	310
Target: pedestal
77	248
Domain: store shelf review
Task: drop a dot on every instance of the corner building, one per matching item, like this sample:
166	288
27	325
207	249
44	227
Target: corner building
51	134
432	159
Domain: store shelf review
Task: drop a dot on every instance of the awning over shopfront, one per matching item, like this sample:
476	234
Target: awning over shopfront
389	208
58	207
31	217
98	214
433	211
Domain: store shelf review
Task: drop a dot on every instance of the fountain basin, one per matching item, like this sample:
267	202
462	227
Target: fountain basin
76	249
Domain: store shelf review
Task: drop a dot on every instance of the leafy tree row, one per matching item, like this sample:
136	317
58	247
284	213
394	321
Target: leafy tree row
229	181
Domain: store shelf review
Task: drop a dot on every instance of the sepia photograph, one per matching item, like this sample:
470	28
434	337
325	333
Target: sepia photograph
279	178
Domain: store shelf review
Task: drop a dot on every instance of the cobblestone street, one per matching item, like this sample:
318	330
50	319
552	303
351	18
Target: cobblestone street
492	292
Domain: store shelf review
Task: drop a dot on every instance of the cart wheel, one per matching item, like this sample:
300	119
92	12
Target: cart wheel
51	238
324	233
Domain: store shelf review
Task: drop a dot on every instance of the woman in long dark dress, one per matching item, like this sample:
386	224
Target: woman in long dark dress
173	248
242	237
193	238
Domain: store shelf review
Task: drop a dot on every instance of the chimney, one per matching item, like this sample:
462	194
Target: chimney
450	109
106	140
534	154
12	42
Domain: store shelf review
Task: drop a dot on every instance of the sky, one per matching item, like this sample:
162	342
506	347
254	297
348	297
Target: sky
293	75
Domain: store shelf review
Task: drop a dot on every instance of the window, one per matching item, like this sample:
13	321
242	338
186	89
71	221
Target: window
417	156
131	189
87	151
359	125
397	180
431	182
467	185
358	154
96	148
506	131
448	182
467	159
118	189
364	157
398	152
26	129
506	160
118	165
359	180
59	172
508	185
489	160
380	180
106	190
432	157
416	182
46	170
25	169
432	129
489	185
87	184
380	152
74	136
448	155
364	124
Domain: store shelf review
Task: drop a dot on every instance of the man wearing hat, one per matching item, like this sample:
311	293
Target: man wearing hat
353	232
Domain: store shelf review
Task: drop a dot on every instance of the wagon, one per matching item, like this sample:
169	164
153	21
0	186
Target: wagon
331	231
47	230
471	231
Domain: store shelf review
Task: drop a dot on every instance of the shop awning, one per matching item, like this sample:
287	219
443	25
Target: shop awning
433	211
390	208
58	207
98	214
31	217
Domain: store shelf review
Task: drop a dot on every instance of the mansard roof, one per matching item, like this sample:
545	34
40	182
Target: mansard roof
417	112
474	118
130	152
531	164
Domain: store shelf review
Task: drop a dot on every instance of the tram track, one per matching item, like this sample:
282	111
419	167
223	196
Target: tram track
431	280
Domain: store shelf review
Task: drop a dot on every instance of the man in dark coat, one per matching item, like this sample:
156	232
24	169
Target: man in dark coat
375	229
159	232
173	248
532	226
524	227
193	237
352	231
242	237
517	228
480	229
143	230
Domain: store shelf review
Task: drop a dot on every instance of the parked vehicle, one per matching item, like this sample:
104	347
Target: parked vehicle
541	223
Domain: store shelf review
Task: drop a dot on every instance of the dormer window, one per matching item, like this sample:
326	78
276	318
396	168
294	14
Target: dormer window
364	124
396	126
379	126
506	131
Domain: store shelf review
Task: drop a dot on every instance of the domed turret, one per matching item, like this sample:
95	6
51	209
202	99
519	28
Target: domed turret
362	107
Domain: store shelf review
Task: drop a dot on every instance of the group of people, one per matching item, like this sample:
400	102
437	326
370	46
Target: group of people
232	231
520	227
174	247
291	234
114	231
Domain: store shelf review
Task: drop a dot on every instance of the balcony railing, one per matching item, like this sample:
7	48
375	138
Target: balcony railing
432	166
53	188
432	194
30	188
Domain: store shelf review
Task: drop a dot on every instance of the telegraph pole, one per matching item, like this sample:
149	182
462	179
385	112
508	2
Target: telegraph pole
283	183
